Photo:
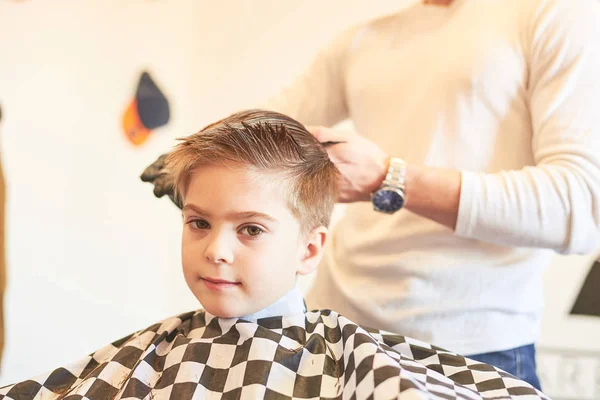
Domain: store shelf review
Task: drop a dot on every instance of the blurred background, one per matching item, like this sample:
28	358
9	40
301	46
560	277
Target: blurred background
91	254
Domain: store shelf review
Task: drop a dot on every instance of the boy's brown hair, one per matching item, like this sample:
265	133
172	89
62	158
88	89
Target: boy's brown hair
268	142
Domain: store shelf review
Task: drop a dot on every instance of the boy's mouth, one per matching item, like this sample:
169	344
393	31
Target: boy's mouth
219	284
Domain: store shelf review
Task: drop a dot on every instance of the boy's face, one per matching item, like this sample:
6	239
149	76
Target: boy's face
242	247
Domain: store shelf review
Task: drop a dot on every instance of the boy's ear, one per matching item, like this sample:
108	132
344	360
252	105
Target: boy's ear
312	251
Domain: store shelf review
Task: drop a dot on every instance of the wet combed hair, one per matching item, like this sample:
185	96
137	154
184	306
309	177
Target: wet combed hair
268	142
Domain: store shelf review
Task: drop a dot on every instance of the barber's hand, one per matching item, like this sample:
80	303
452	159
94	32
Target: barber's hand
362	164
156	174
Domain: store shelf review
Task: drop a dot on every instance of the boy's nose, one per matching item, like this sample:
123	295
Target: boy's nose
219	249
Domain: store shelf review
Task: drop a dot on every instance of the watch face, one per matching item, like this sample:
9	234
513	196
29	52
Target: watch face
388	200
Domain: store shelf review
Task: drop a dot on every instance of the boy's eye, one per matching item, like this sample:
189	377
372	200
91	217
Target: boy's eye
252	230
200	224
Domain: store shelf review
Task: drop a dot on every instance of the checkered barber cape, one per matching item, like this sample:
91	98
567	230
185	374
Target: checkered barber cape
318	354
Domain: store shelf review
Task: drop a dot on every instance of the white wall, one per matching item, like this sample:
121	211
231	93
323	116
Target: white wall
88	248
92	255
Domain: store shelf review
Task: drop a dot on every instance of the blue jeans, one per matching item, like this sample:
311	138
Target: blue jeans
519	362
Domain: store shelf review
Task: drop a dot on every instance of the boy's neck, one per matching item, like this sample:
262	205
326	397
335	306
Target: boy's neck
291	303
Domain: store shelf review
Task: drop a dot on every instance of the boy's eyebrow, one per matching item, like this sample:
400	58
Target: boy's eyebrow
238	215
252	214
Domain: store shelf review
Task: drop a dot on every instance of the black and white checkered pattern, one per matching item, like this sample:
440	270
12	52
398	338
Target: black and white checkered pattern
315	355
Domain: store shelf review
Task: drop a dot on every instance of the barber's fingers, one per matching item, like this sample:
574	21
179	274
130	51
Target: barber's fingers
154	170
163	186
176	201
156	174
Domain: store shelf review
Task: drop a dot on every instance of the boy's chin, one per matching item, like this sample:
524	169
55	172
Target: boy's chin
220	311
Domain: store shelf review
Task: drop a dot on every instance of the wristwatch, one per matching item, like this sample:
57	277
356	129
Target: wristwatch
389	198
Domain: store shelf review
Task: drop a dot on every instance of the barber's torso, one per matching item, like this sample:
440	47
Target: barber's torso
443	87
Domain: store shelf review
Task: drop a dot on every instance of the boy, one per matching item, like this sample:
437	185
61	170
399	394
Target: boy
257	195
257	191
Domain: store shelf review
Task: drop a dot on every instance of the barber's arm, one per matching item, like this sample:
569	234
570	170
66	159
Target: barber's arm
433	193
554	204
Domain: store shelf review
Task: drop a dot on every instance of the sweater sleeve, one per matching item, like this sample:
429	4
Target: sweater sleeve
554	204
318	97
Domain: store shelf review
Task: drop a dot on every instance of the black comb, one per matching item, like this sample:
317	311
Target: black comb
330	143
